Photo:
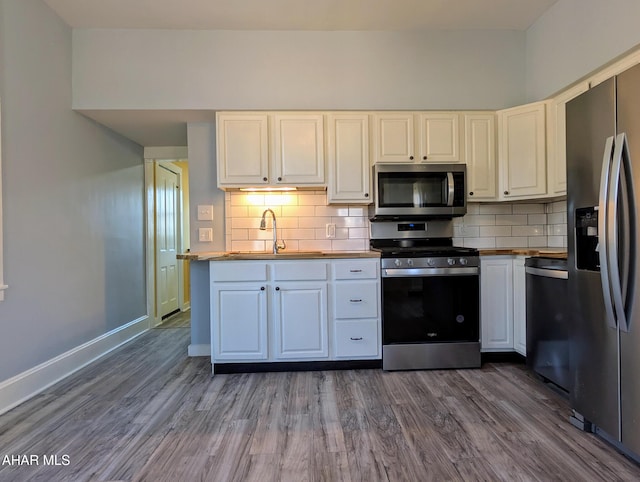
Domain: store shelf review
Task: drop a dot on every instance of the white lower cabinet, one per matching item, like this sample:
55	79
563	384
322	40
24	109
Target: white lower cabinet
502	301
300	320
239	331
295	310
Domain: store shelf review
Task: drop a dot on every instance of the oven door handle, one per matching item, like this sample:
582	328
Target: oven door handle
413	272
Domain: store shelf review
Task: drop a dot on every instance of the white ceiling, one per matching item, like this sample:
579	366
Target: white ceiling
168	128
301	14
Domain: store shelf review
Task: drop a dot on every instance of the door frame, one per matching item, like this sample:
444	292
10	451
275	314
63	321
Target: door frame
173	154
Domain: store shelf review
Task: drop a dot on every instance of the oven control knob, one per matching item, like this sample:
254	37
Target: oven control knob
451	261
398	263
431	261
409	262
464	261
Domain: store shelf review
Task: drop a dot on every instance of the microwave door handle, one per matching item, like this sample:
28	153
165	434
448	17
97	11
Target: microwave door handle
450	189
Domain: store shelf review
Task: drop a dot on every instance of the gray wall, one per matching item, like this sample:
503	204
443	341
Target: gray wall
73	202
203	190
575	37
170	69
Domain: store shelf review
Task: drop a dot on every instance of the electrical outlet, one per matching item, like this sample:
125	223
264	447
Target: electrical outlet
330	230
205	235
205	212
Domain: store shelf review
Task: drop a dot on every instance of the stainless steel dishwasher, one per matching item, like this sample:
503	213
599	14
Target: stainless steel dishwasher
548	319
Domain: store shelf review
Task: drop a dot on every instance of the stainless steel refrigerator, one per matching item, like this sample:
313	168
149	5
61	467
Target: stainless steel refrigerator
603	182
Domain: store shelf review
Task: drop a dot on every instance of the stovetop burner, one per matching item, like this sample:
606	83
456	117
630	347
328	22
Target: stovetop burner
419	248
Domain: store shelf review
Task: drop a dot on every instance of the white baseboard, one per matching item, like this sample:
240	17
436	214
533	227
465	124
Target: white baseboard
199	350
25	385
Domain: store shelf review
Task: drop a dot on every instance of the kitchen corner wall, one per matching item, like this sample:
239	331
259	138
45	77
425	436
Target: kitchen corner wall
302	218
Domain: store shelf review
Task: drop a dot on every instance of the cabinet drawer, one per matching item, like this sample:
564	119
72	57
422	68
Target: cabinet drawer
237	271
356	300
299	270
356	269
356	339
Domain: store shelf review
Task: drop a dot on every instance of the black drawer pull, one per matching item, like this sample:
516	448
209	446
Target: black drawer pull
356	301
355	271
356	338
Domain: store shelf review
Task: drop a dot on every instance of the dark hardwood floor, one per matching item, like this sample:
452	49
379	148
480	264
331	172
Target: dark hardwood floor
148	412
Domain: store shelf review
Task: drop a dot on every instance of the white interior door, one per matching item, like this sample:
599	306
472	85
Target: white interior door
167	205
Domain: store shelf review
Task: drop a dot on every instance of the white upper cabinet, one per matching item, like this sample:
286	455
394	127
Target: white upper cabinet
393	135
298	155
522	152
270	149
557	140
348	158
480	153
439	137
417	137
242	148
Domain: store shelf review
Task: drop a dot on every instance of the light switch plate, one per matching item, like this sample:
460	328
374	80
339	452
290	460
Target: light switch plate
205	235
330	230
205	212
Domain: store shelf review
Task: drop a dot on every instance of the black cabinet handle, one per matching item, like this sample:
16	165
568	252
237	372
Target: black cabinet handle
279	179
411	158
355	271
356	338
355	301
366	194
471	193
265	179
277	288
506	192
262	288
424	158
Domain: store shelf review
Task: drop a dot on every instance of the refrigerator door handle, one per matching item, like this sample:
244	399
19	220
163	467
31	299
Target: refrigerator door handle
603	218
621	160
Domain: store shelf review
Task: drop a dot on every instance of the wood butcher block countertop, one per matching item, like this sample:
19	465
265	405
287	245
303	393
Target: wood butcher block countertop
560	253
248	255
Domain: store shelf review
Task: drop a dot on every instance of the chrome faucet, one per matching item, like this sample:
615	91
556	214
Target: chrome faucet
263	226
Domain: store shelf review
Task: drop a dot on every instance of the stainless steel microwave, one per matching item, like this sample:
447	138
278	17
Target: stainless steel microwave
415	191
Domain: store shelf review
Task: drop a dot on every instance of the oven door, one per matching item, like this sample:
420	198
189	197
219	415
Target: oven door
431	305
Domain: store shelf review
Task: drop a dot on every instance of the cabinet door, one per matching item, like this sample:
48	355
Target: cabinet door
242	149
300	320
519	307
439	138
393	137
496	300
557	140
239	321
348	157
523	151
298	154
480	153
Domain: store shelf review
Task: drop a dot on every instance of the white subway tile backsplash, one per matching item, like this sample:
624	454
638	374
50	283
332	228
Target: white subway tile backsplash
480	242
538	241
536	219
495	209
349	245
532	230
479	220
511	219
557	218
302	219
488	231
528	209
512	242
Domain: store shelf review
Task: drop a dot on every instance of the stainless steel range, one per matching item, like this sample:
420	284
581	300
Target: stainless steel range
430	296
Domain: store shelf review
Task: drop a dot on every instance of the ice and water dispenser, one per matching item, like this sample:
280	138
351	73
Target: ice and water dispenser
587	257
